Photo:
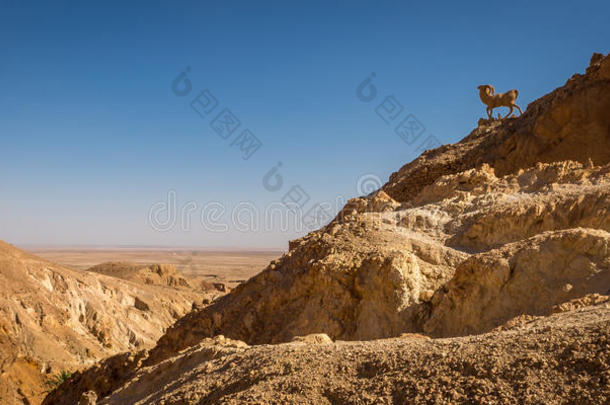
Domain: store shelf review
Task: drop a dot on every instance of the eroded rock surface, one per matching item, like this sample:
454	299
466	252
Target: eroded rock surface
494	234
153	274
55	319
563	358
489	201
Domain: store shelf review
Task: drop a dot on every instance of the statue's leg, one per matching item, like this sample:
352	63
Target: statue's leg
489	111
510	112
518	108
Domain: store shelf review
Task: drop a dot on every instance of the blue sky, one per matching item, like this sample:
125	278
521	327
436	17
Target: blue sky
92	135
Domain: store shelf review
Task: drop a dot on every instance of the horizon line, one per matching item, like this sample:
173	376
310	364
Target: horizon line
52	246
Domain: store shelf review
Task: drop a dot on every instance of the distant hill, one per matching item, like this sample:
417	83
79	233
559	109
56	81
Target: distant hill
54	318
153	274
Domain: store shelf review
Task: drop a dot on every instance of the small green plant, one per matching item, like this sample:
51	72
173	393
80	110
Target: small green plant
55	381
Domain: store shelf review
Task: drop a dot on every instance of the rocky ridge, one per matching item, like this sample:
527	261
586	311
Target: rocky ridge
561	358
152	274
490	236
57	319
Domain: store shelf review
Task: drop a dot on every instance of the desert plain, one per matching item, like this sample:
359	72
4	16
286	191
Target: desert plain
230	267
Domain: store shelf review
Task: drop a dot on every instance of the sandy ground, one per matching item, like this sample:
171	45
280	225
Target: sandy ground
230	267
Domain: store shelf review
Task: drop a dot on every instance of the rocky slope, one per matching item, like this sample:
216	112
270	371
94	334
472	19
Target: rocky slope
511	222
564	358
374	272
152	274
53	319
370	272
570	123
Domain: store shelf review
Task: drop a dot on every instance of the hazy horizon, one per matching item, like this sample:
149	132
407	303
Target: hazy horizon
102	247
161	126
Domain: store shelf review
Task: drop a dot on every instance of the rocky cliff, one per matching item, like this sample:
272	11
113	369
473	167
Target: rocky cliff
373	271
507	225
562	358
56	319
152	274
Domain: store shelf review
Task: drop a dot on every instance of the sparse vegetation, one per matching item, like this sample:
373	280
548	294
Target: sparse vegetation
56	380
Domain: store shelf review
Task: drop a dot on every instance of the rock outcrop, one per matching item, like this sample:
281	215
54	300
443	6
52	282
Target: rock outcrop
570	123
377	269
362	280
497	231
563	358
152	274
54	318
526	277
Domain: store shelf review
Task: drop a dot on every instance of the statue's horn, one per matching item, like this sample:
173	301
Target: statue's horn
491	89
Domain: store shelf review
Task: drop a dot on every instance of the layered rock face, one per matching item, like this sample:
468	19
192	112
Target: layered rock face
53	318
153	274
570	123
486	207
525	277
503	228
376	274
359	280
563	358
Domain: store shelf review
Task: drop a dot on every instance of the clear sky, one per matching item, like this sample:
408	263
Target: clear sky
94	134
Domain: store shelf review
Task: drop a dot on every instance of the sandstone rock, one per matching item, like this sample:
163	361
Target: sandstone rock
556	359
499	230
581	302
314	339
372	272
88	398
414	336
152	274
222	287
570	123
368	287
525	277
426	296
141	305
53	318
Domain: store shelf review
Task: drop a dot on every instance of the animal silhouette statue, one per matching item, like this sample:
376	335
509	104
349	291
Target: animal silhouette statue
492	100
